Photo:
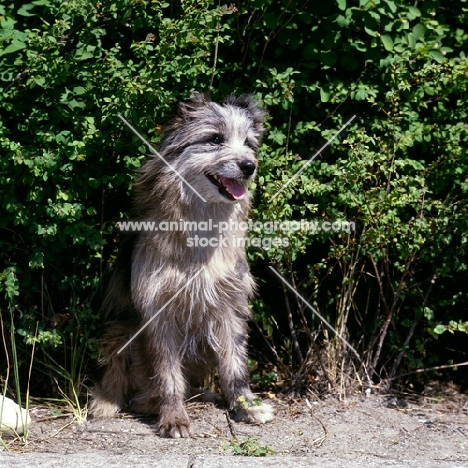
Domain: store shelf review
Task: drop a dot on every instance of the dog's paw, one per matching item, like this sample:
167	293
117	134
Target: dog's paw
102	408
176	428
255	414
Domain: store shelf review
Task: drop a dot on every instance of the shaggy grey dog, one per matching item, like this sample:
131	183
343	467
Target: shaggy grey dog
191	299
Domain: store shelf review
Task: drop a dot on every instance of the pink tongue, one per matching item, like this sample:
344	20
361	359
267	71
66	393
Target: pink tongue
233	187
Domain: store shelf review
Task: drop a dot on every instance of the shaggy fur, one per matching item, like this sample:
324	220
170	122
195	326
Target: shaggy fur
213	146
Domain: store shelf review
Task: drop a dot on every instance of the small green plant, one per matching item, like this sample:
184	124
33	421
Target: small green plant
248	447
243	403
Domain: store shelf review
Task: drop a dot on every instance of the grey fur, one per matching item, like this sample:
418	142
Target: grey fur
206	325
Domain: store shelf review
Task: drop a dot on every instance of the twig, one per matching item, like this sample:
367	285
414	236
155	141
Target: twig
193	397
215	60
428	369
389	309
25	425
63	428
218	430
229	422
318	354
52	418
289	128
312	341
411	331
65	37
325	322
297	348
284	368
271	36
321	439
18	77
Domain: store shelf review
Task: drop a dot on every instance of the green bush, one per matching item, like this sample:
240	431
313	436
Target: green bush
391	287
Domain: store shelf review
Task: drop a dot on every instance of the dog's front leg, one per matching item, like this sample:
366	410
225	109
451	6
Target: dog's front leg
165	392
234	380
169	378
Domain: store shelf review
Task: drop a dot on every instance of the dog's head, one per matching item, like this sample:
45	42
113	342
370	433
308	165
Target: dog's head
213	147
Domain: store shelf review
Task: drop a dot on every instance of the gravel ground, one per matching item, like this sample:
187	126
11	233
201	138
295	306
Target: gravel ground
362	431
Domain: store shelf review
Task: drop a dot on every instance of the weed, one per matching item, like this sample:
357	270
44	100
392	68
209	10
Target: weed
248	447
243	403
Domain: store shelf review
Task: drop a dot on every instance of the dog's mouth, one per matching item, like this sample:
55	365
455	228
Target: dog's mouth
232	189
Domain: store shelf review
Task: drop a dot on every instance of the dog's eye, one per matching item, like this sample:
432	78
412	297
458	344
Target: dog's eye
217	139
248	144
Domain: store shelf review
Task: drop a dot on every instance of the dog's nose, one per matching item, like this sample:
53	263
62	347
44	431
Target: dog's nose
247	168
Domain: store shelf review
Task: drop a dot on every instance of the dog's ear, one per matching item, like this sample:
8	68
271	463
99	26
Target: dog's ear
184	112
251	105
197	101
200	98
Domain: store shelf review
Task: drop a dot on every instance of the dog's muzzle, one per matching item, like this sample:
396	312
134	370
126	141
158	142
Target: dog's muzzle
234	188
247	168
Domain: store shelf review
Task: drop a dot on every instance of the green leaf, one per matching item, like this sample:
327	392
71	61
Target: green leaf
418	313
414	12
439	329
411	40
83	54
36	260
391	5
371	32
418	31
406	323
13	47
24	10
387	42
342	21
361	94
428	313
341	4
437	56
310	52
79	90
328	58
74	103
305	17
324	95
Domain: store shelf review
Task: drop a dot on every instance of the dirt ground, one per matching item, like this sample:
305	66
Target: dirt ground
402	428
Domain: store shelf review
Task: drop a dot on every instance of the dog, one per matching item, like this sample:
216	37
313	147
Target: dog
176	310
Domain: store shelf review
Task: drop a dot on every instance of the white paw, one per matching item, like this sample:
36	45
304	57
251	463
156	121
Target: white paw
259	414
101	408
